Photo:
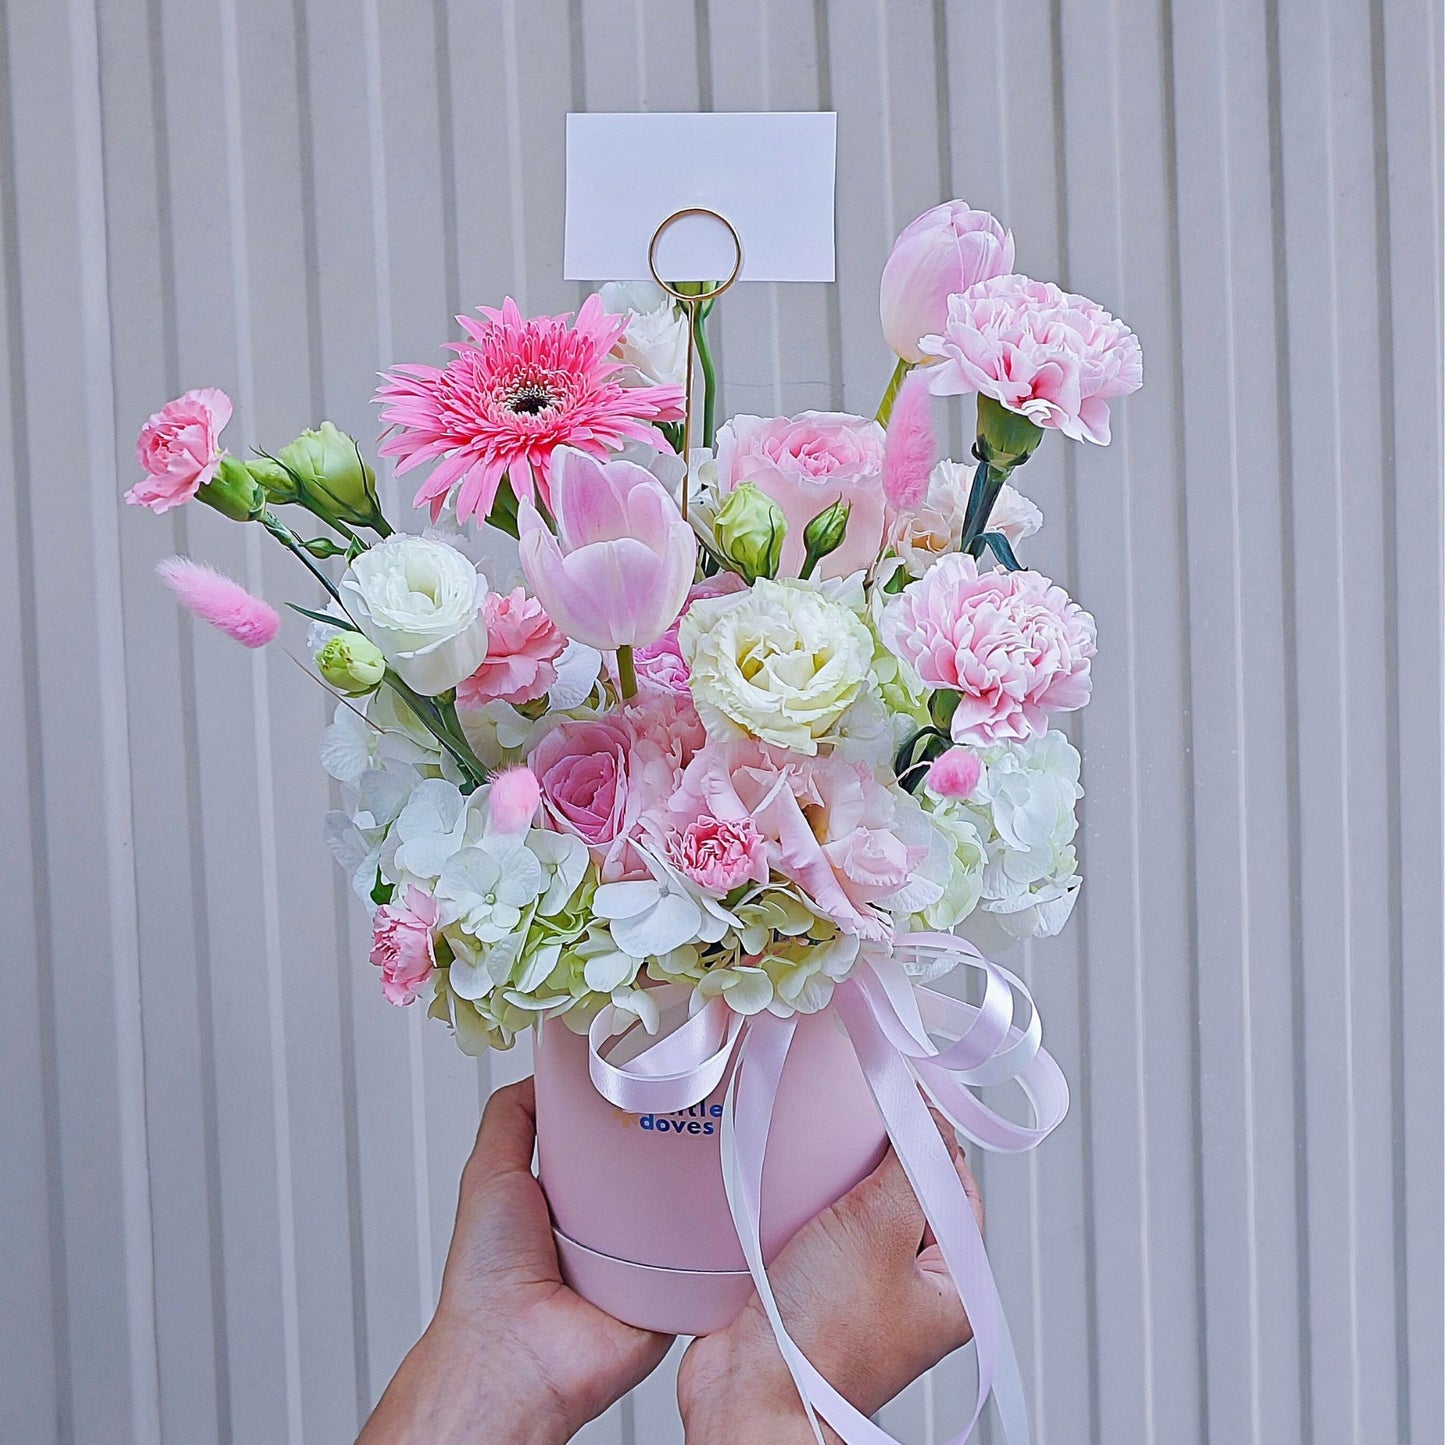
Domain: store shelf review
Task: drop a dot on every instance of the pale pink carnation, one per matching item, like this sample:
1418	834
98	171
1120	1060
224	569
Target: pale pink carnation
179	449
955	774
401	945
847	841
805	463
522	651
1013	645
720	855
516	391
215	598
1051	356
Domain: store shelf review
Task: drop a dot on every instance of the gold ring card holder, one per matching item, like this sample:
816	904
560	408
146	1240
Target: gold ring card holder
692	301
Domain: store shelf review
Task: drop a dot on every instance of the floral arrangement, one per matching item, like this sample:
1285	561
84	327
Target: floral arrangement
732	747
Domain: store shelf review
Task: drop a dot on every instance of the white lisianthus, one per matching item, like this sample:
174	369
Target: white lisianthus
781	661
921	537
419	600
654	346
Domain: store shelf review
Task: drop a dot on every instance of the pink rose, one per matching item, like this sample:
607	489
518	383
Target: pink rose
1013	645
179	449
401	945
582	769
945	250
522	650
827	824
720	855
805	463
1051	356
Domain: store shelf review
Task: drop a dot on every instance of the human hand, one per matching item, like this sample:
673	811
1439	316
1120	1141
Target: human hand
512	1356
864	1292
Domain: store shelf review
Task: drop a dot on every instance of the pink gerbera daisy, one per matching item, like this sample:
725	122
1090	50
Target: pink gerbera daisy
515	391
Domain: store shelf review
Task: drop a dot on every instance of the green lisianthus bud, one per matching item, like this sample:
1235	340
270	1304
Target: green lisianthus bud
1005	439
824	534
234	492
352	664
328	469
275	479
750	528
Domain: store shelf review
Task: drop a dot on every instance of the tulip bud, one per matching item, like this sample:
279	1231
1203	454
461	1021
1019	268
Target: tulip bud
327	467
750	528
1005	438
944	251
824	534
234	492
351	663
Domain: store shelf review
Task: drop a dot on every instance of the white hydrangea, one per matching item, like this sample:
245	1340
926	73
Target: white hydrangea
1021	819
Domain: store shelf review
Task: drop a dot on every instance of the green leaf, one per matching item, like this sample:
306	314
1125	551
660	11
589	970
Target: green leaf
345	623
999	544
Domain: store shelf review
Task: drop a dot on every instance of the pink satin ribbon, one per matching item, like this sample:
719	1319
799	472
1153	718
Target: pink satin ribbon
889	1020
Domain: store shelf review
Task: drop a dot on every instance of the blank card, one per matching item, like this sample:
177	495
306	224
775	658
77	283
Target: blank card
771	174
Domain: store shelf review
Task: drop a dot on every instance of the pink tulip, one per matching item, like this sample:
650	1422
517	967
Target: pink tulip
618	571
942	252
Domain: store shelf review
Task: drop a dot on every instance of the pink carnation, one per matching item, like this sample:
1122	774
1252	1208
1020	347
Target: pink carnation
179	449
827	824
1051	356
720	855
1013	645
805	463
523	646
401	945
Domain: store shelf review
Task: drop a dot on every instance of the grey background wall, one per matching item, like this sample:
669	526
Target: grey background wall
227	1168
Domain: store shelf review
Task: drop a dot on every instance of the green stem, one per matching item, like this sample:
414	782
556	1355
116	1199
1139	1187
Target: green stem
288	539
885	407
431	716
709	375
626	672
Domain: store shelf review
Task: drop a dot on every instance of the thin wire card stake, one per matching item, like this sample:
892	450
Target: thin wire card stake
692	302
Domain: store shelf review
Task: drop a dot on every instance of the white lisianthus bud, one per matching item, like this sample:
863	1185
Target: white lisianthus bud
420	602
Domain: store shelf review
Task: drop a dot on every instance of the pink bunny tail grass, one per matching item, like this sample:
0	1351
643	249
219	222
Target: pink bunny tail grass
216	599
512	803
909	450
955	774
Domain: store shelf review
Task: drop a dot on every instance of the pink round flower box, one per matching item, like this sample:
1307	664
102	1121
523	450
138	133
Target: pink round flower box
638	1205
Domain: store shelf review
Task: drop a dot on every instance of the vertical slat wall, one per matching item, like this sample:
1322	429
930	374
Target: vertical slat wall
227	1169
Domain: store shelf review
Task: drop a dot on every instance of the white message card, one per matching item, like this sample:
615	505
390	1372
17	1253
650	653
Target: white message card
771	174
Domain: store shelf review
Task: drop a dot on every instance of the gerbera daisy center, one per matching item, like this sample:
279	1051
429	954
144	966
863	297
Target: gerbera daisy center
530	398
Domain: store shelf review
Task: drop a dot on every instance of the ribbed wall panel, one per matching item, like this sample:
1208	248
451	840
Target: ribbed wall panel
227	1169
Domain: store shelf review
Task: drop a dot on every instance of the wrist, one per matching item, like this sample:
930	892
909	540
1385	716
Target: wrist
451	1390
733	1396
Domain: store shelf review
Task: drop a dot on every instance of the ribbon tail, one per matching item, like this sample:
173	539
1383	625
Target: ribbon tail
931	1172
747	1111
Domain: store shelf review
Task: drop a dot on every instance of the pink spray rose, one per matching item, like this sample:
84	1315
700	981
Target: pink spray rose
179	449
1013	645
401	945
945	250
1051	356
805	463
827	824
522	650
720	855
